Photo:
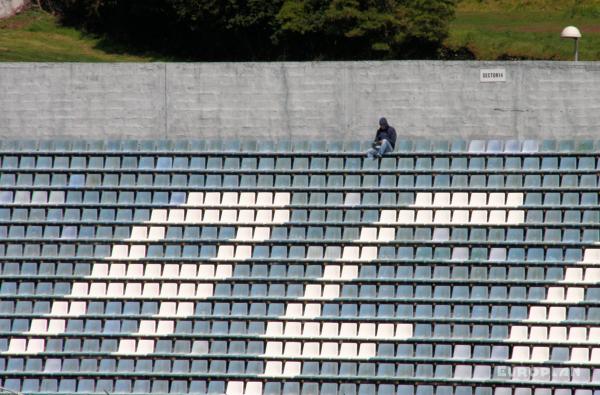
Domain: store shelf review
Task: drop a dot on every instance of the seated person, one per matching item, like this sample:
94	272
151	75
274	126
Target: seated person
385	140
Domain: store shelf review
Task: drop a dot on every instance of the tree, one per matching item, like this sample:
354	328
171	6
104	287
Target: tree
268	29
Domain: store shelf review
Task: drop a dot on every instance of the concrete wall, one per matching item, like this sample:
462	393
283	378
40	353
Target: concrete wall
10	7
328	100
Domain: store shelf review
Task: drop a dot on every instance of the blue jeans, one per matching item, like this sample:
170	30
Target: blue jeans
381	150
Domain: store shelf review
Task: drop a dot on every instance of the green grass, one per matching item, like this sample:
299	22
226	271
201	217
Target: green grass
35	36
489	29
511	29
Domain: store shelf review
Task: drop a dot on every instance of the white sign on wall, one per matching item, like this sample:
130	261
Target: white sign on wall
492	75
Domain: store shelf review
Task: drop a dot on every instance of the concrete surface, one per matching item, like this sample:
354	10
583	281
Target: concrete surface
10	7
321	100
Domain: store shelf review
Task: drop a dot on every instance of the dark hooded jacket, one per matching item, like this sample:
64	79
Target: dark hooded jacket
386	132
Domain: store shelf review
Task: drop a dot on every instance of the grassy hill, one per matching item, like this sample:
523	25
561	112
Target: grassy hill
526	29
487	29
35	36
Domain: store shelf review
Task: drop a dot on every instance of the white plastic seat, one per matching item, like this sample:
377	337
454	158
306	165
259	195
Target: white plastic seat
139	233
331	272
368	253
187	290
352	199
133	290
274	349
497	199
193	216
151	290
226	252
282	199
520	353
331	291
293	310
35	346
349	272
329	350
515	217
145	346
497	217
153	270
229	199
368	234
441	199
312	310
244	233
195	199
292	349
127	346
478	199
246	216
56	326
120	251
80	289
293	329
310	349
170	270
591	255
262	233
540	354
137	251
366	330
176	216
406	217
423	199
575	294
424	217
388	216
229	216
247	199
460	217
479	217
211	216
165	327
115	289
212	199
117	270
514	199
158	215
253	387
385	331
264	199
77	308
348	350
281	216
98	289
386	234
223	271
460	199
235	388
311	329
291	368
442	217
404	331
38	326
367	350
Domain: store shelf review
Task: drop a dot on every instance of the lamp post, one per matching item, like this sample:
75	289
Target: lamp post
573	33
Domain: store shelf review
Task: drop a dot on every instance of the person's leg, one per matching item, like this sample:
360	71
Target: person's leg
371	153
385	148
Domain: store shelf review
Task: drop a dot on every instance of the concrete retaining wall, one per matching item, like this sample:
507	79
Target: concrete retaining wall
328	100
10	7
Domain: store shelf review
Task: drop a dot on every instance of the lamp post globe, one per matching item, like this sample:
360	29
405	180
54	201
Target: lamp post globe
573	33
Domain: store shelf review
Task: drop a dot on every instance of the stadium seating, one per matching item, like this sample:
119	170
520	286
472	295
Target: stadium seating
237	267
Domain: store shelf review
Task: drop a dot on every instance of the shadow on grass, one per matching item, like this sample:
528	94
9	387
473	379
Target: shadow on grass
113	46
